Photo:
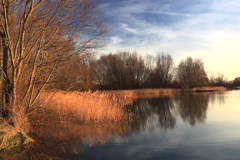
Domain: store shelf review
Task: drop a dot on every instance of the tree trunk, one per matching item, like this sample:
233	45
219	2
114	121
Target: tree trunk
6	85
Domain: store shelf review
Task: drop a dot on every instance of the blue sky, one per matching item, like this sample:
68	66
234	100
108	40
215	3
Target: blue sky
208	30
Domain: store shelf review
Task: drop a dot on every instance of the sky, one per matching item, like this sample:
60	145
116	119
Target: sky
205	29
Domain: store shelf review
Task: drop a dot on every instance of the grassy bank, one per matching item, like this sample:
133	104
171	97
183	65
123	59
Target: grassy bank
57	109
14	131
206	89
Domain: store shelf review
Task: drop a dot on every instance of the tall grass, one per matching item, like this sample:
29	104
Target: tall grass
217	88
142	93
84	107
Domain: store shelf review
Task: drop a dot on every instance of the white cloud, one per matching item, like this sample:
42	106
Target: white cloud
128	29
206	31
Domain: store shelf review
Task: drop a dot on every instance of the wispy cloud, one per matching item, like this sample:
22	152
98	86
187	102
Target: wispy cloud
182	28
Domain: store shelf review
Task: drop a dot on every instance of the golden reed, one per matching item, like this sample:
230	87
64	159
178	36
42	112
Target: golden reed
84	107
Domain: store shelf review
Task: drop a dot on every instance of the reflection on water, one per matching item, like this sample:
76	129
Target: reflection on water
151	112
62	140
183	126
192	108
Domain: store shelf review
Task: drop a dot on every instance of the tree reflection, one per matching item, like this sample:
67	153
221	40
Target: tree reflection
219	97
193	107
151	112
163	107
56	139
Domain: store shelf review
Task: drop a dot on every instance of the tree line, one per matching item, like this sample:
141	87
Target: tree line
130	70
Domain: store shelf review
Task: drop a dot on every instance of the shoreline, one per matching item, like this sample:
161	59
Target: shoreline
151	93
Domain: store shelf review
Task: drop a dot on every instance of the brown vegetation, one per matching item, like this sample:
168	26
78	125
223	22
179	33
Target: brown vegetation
141	93
202	89
191	73
14	130
38	39
84	107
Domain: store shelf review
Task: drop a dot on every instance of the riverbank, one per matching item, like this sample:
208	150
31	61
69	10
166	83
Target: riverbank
150	93
58	107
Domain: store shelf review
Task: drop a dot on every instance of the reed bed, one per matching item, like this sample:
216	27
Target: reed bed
84	107
201	89
142	93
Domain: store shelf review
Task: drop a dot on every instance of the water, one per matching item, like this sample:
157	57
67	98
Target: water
184	126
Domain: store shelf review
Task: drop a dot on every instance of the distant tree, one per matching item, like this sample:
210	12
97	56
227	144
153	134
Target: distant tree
191	73
162	74
99	72
74	74
211	80
236	81
164	65
220	80
122	70
135	70
114	69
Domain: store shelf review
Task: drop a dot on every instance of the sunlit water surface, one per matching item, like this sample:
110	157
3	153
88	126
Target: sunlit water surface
185	126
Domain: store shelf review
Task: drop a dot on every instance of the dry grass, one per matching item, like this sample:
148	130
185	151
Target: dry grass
141	93
208	89
84	107
14	130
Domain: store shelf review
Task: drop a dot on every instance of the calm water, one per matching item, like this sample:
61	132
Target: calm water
184	126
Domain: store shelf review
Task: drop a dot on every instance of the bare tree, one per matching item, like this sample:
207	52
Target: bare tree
236	81
122	70
162	74
220	80
37	36
164	65
191	73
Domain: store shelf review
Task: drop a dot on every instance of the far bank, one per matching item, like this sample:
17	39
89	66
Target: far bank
147	93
